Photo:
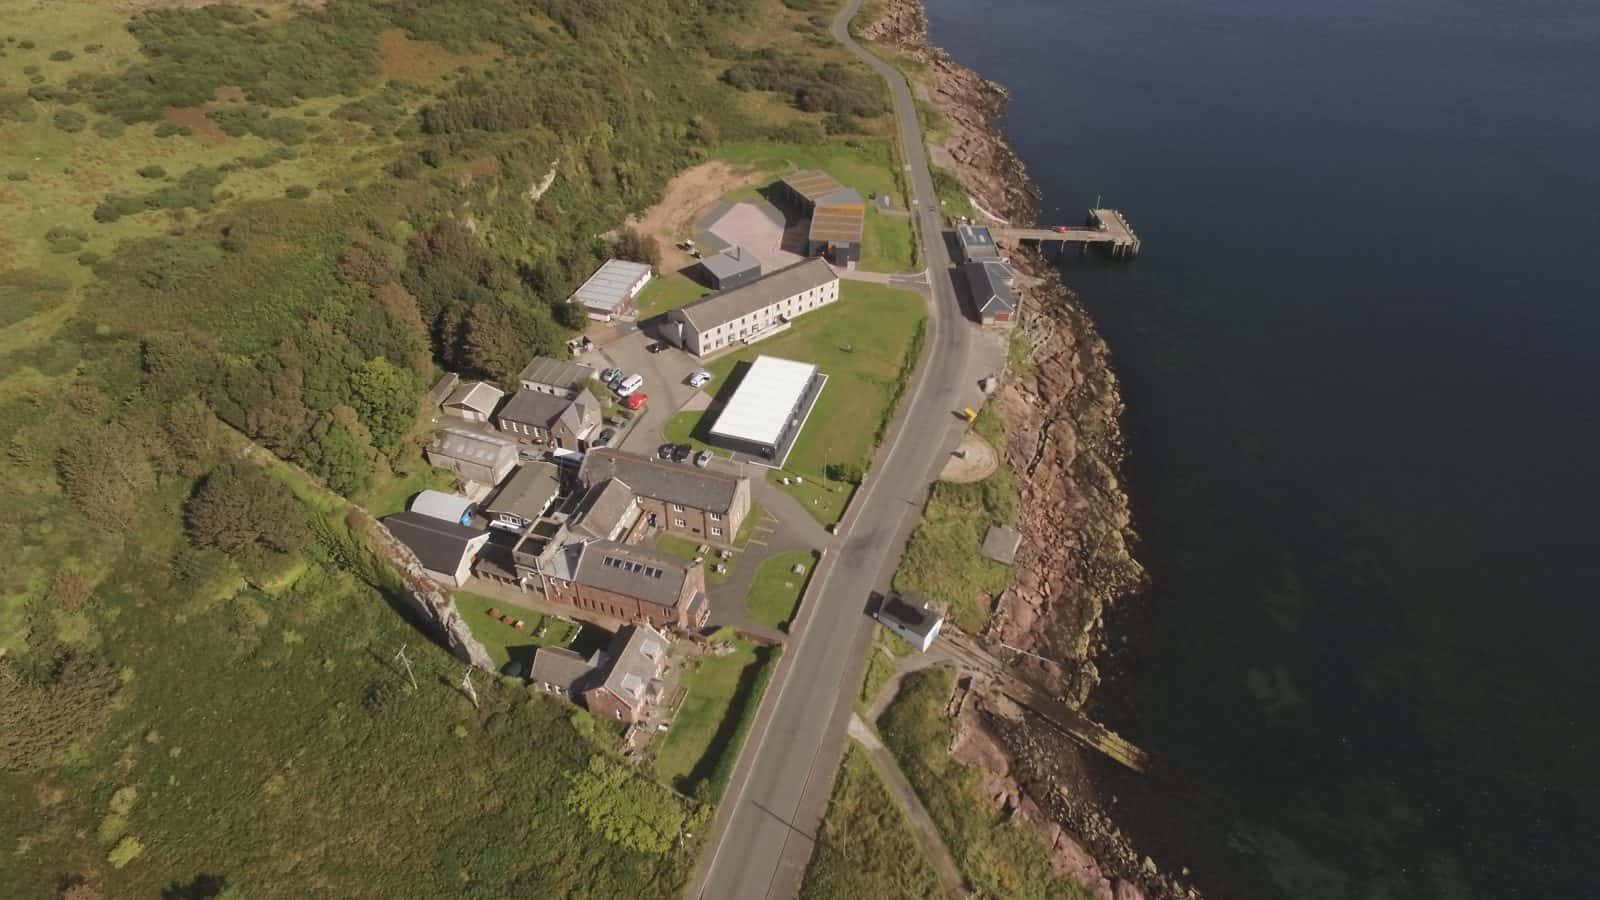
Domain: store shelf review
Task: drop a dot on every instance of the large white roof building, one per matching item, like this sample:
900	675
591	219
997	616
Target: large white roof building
767	408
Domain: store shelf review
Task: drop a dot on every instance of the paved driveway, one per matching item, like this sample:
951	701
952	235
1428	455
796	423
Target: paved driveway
665	381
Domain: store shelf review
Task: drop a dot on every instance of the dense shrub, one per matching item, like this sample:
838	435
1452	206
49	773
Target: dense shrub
828	87
152	171
241	120
245	512
44	712
168	129
61	55
297	192
16	107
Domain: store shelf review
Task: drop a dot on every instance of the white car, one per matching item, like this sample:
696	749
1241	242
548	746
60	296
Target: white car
699	378
629	385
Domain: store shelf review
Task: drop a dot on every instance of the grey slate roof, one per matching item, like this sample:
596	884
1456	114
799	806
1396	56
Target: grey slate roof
477	396
561	667
608	287
667	482
730	262
472	447
913	612
528	491
534	408
977	241
726	306
634	662
990	282
632	571
603	507
439	545
569	376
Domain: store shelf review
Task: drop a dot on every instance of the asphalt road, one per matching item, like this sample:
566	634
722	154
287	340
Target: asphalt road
763	834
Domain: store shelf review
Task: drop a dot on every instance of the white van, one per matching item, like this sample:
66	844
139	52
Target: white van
629	385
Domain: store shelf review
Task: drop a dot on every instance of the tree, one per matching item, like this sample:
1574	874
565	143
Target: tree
247	513
500	338
385	397
43	713
191	436
626	809
107	474
631	244
339	459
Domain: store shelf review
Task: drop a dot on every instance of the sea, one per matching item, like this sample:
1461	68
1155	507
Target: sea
1361	358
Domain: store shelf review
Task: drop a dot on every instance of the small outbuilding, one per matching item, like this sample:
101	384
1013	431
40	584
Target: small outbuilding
913	617
444	507
525	496
473	401
977	243
992	285
474	457
555	377
1001	544
730	268
612	289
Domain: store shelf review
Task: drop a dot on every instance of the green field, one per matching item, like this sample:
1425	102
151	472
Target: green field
999	855
774	598
697	755
668	291
864	344
825	498
869	167
886	245
687	549
866	849
505	642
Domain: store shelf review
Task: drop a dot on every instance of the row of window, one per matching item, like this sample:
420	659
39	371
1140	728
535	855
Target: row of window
628	565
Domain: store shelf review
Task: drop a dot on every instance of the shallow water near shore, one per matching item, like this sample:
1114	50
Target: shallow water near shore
1361	355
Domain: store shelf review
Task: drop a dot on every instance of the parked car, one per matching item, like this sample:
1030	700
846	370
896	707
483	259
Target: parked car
609	376
704	459
629	385
665	451
605	437
699	379
636	401
657	346
681	452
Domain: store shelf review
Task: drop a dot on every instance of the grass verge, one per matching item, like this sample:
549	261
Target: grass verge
774	598
506	643
866	849
699	751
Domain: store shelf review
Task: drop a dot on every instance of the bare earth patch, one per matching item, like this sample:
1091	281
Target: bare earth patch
195	119
974	460
400	56
689	194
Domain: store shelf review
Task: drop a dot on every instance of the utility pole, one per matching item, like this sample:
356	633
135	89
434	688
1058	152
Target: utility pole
466	686
404	661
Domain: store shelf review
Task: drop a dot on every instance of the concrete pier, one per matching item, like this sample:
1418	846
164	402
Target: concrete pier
1105	227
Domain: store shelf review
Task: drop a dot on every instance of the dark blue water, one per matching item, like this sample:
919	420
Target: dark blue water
1361	354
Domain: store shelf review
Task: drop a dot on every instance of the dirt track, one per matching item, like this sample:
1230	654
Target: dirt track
687	197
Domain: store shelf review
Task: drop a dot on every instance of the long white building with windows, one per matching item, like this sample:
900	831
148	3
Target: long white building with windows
753	311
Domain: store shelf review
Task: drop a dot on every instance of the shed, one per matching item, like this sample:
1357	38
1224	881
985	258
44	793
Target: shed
474	401
611	290
444	507
730	268
1001	544
913	617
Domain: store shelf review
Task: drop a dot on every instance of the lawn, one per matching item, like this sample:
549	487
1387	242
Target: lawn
668	291
887	648
506	643
686	549
699	751
866	849
774	598
865	344
392	495
826	499
869	167
886	245
999	855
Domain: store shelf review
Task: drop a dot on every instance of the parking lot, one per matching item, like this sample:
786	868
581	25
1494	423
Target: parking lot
665	374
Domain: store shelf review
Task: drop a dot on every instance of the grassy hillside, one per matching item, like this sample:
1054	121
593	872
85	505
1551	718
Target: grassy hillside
283	221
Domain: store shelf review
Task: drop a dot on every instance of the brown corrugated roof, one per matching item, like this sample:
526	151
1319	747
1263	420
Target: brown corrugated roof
812	184
837	224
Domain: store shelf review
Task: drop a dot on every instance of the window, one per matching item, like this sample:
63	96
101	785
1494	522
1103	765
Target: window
715	531
715	517
679	522
677	507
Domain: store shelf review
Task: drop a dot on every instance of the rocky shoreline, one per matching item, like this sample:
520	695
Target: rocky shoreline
1063	414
